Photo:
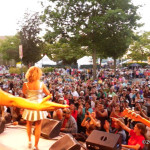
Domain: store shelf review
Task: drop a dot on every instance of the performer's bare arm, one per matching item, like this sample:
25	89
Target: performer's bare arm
7	99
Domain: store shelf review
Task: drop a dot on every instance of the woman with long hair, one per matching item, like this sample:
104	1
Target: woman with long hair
116	113
137	135
33	90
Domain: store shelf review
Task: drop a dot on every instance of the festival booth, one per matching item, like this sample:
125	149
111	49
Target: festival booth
45	62
86	61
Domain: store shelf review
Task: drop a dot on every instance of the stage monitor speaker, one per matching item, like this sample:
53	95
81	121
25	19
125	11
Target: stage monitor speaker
66	143
7	117
50	128
99	140
2	125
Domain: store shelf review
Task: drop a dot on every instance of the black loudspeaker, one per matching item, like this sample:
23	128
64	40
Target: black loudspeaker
99	140
2	126
7	117
50	128
66	143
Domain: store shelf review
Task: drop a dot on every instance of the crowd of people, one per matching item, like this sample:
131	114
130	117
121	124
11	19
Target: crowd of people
94	104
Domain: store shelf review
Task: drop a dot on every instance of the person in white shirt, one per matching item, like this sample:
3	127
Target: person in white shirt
74	92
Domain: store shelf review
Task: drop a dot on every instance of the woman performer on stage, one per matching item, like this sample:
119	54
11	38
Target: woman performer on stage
33	90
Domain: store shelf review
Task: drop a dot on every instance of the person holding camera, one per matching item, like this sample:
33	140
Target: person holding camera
81	114
116	113
90	122
101	114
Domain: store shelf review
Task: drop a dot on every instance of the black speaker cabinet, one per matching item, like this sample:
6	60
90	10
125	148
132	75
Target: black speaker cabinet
50	128
7	117
99	140
66	143
2	125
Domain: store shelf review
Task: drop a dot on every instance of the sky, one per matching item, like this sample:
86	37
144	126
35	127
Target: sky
11	11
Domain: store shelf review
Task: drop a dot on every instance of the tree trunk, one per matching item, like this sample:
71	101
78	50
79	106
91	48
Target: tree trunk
94	64
100	62
115	65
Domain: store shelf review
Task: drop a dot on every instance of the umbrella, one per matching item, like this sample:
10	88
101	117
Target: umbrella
135	65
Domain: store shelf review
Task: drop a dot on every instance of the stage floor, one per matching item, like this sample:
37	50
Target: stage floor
15	138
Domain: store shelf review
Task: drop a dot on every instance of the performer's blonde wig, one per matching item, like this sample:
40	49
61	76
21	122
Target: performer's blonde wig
33	74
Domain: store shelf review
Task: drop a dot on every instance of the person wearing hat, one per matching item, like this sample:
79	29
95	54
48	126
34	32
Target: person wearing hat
69	124
61	100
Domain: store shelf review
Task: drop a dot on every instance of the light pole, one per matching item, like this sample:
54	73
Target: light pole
42	60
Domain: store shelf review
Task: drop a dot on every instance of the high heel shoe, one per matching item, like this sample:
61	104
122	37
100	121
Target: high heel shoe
30	145
34	148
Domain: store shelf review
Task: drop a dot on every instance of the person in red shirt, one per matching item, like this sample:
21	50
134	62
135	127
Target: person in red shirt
137	135
116	113
66	95
73	110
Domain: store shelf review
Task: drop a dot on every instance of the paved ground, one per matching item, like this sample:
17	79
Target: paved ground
15	138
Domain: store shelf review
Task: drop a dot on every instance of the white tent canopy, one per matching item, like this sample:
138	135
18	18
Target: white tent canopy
45	61
86	60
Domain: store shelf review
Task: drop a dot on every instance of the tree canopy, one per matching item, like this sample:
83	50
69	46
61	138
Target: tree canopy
63	52
103	26
140	49
9	47
30	40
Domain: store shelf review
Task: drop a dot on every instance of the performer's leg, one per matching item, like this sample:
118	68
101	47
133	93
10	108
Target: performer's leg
29	126
37	132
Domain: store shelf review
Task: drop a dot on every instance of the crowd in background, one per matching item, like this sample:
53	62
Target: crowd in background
94	104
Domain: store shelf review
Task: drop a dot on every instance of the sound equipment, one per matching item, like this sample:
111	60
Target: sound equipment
66	143
99	140
50	128
2	125
7	117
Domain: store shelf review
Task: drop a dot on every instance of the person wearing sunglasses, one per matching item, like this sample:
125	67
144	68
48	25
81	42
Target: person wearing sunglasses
69	124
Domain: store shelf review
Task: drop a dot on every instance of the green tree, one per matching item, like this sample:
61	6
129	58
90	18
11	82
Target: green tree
140	49
29	34
94	24
10	48
64	52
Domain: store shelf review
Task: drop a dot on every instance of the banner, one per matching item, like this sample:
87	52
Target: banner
148	59
20	51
